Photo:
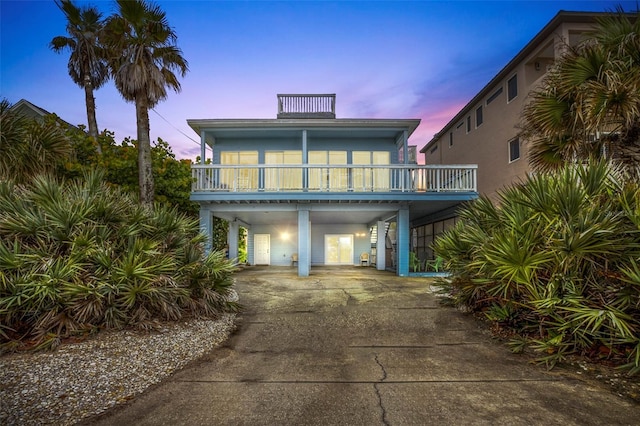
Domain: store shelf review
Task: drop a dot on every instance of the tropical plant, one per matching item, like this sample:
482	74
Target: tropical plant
87	64
143	60
588	105
555	261
80	256
120	164
29	147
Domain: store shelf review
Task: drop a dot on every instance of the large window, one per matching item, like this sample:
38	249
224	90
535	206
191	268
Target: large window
512	88
369	178
283	177
239	178
514	149
328	178
338	249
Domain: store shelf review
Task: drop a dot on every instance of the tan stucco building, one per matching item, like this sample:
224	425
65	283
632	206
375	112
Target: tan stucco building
485	131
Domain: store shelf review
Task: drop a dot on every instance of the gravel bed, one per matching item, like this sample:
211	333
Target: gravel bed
80	380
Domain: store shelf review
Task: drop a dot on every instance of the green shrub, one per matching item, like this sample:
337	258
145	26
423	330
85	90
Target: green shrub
80	256
556	261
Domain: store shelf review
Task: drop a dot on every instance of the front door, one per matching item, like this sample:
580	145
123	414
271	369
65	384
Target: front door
338	249
262	249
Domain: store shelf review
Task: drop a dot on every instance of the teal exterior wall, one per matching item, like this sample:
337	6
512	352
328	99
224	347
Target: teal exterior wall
349	145
282	249
360	244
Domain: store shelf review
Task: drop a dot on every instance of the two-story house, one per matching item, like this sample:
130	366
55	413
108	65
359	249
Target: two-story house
313	189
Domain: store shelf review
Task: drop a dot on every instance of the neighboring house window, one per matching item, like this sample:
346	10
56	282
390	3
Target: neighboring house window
450	138
479	118
494	96
434	149
468	124
514	149
512	88
460	125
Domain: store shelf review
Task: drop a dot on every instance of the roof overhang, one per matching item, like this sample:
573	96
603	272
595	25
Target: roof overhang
319	128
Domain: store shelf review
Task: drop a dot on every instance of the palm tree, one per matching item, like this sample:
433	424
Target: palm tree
589	103
143	59
87	65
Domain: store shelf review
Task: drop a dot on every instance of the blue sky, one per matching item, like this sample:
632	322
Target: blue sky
383	59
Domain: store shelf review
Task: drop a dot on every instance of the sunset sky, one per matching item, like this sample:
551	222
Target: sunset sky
382	59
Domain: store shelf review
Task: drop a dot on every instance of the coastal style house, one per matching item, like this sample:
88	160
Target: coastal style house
485	131
312	189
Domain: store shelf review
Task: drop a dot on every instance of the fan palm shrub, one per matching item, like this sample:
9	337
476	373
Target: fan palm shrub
80	256
556	261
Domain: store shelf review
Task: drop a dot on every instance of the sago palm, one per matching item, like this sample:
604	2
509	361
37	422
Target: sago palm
87	63
143	60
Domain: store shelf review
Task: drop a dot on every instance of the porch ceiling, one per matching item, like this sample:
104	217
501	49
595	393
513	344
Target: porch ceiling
325	213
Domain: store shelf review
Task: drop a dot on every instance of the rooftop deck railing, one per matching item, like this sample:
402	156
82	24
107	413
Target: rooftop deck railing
307	106
334	178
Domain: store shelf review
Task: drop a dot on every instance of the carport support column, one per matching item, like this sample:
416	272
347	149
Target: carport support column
304	242
381	247
206	227
232	239
403	242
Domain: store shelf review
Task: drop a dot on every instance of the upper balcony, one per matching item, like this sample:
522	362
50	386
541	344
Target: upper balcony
395	178
307	106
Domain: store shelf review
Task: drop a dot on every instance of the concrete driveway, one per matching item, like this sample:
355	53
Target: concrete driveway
356	346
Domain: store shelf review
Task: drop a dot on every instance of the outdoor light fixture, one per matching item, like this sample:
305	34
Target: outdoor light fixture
284	236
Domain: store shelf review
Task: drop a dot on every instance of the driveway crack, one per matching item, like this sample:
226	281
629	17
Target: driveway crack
350	299
385	421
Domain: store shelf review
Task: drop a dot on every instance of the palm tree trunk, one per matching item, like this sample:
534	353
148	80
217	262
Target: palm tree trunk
90	102
145	171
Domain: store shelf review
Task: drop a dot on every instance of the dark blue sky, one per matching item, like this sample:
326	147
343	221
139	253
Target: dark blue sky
383	59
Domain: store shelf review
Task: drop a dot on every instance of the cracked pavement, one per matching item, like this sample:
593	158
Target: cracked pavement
356	346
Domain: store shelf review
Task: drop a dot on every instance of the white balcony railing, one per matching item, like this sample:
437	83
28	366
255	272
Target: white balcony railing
322	178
